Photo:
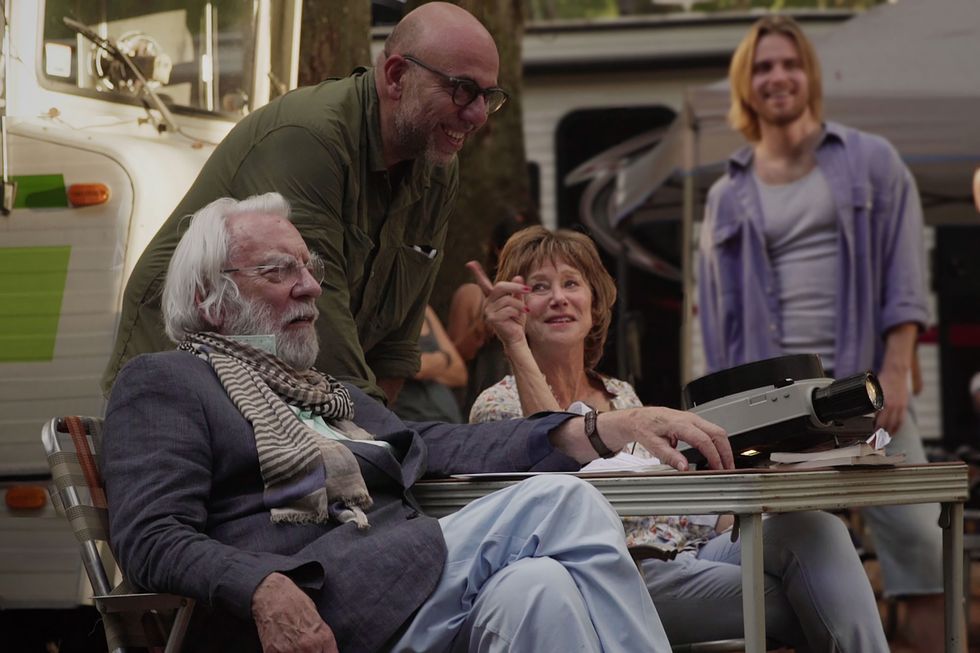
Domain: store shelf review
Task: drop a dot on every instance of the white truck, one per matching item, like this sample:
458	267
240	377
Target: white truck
109	109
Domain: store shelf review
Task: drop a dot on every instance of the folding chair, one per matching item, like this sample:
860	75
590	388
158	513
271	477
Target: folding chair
145	620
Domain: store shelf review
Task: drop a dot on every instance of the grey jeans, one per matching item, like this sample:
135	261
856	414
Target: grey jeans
817	594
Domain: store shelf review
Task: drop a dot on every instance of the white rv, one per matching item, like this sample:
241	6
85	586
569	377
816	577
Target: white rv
109	109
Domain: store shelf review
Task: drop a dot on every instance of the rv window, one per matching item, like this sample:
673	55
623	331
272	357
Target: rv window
196	55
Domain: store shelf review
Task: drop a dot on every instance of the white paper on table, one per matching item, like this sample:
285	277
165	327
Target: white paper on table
625	462
579	408
621	463
879	439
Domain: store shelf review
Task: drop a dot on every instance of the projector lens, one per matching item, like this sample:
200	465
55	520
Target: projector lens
874	391
851	396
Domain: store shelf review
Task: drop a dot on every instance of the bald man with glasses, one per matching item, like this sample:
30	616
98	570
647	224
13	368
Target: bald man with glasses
368	164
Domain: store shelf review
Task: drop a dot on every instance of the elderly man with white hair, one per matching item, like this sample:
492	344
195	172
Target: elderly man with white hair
281	499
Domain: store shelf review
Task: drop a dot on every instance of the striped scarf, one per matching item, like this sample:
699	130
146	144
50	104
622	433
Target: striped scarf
308	477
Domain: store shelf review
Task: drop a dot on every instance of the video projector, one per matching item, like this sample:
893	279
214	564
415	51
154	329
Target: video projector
783	404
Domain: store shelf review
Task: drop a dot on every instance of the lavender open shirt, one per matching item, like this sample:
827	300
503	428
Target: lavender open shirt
880	283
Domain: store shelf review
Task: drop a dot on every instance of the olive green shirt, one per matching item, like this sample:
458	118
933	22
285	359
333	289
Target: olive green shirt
382	240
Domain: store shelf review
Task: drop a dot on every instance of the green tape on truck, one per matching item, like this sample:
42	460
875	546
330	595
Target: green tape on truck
32	284
40	192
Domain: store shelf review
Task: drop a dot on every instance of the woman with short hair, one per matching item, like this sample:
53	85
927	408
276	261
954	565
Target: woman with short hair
550	307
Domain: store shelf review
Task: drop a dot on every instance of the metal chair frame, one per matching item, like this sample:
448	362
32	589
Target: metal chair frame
130	619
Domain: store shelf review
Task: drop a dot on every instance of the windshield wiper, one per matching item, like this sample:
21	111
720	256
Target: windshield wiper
147	96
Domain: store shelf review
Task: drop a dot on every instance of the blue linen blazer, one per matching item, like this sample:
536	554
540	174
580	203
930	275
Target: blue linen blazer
186	513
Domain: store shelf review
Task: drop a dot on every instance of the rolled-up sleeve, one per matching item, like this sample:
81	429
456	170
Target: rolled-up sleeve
903	259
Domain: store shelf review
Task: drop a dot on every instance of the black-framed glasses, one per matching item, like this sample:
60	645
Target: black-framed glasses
290	271
465	91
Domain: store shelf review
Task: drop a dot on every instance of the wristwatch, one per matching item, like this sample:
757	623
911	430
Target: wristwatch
592	433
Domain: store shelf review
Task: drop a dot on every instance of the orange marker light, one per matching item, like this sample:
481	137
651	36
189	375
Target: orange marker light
88	194
26	497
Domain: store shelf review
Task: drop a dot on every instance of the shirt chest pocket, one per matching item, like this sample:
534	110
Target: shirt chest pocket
863	200
726	248
861	224
408	278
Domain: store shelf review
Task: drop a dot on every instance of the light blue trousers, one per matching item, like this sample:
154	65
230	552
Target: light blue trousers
817	594
539	566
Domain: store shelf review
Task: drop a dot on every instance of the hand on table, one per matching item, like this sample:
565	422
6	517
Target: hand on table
659	430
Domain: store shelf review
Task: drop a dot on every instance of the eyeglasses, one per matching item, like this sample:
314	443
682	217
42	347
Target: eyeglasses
465	91
291	271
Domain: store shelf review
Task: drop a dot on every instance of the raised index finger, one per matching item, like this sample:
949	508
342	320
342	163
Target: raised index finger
482	280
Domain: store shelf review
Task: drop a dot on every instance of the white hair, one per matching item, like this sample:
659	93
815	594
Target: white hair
196	292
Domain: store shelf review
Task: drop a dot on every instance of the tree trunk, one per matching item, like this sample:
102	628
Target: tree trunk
335	38
493	179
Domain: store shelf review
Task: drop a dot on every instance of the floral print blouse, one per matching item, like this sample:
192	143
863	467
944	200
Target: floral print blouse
501	401
666	532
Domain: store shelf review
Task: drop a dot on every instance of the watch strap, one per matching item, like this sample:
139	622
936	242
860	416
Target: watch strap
592	433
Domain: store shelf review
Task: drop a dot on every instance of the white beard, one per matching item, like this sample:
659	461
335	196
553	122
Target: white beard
298	348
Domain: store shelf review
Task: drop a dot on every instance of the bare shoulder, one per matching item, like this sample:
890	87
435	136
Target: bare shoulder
468	293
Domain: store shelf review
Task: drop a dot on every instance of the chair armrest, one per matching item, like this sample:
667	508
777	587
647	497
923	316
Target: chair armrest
140	602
